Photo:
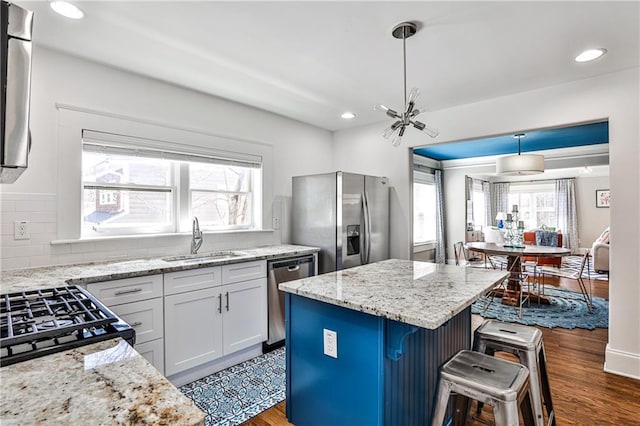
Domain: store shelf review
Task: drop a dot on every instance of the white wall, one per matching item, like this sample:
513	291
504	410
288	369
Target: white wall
295	148
614	96
591	220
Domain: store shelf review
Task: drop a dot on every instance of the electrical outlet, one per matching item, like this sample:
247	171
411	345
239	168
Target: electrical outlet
330	343
276	223
21	230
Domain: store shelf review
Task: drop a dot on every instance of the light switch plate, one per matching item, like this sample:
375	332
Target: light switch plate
330	343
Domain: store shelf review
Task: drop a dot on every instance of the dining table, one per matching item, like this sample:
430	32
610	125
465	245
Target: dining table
511	295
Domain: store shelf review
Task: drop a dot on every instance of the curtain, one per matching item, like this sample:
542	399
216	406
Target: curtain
440	243
468	184
567	217
499	199
486	192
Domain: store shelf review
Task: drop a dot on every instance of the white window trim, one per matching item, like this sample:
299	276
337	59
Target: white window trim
73	120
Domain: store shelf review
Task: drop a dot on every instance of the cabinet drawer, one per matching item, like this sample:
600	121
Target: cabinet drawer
237	272
146	318
153	352
127	290
193	279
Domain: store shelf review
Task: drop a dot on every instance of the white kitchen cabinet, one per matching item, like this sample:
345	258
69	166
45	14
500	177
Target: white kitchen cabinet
153	352
138	301
117	292
245	315
192	279
146	317
193	329
206	324
238	272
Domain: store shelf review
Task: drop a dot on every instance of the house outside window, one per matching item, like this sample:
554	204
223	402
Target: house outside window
536	203
424	208
129	190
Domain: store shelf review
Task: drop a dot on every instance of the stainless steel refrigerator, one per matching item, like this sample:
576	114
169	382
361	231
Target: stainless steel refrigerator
345	214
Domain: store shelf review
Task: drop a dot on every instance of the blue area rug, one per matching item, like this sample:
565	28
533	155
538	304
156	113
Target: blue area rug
567	310
232	396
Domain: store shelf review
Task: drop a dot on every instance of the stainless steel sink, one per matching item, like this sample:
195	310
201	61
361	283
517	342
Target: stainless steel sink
205	257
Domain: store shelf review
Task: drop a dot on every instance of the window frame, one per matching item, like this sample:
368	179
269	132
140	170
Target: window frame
180	199
422	178
531	189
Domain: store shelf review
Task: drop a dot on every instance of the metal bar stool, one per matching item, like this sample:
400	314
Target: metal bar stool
525	343
500	383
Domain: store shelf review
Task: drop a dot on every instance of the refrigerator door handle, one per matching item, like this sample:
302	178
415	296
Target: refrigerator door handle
363	243
367	226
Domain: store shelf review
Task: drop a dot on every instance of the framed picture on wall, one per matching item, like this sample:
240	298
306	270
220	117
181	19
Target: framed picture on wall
603	198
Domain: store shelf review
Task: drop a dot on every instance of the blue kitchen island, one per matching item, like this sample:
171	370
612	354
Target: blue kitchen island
386	329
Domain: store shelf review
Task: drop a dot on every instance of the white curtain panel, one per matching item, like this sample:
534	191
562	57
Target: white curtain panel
440	243
486	191
499	199
566	212
469	198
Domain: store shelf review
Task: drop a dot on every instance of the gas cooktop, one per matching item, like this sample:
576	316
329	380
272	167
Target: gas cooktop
40	322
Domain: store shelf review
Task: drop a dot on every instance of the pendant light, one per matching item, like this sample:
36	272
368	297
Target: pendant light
405	119
521	164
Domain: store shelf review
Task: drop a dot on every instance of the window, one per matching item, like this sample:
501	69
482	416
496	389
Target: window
536	203
424	208
479	208
131	190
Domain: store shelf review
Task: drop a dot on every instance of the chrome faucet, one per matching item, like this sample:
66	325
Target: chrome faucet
196	236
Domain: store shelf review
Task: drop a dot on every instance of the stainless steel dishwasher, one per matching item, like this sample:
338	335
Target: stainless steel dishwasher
280	271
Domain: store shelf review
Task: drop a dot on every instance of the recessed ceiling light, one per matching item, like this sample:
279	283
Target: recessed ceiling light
348	115
590	55
67	9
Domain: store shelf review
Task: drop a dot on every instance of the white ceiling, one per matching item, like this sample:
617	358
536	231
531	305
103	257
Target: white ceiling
311	61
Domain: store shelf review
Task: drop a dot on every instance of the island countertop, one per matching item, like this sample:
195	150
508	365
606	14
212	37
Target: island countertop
417	293
98	384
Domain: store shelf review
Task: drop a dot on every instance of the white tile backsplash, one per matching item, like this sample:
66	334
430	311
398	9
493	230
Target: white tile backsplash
41	212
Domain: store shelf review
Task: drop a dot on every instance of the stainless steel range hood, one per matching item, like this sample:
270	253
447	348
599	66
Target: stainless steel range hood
15	67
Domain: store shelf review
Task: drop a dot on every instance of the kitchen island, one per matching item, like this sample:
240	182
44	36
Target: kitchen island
395	323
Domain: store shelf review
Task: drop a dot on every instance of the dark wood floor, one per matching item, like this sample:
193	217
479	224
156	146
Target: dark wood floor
583	394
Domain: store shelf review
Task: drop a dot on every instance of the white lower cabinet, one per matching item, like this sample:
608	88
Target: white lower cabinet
245	316
193	329
146	318
186	319
204	325
153	352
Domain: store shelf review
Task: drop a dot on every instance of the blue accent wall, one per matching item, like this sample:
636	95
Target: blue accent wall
536	140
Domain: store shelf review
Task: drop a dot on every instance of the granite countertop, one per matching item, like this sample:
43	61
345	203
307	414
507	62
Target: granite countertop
98	384
417	293
54	276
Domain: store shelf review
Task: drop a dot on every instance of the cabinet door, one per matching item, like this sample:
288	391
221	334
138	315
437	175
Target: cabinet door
153	352
245	314
145	317
192	329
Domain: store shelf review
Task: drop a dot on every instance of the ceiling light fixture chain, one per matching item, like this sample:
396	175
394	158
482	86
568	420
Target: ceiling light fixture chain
405	119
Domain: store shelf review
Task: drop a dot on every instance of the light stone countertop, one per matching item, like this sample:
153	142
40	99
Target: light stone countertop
417	293
55	276
107	382
103	383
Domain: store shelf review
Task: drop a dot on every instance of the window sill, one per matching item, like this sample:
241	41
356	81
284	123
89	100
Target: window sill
171	234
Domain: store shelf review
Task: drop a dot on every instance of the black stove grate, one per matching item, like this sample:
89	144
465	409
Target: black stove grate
41	322
49	313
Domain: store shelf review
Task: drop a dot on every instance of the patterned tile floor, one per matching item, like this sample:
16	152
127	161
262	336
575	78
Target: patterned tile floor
232	396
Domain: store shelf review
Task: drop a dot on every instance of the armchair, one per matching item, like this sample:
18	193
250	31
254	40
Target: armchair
600	252
530	238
